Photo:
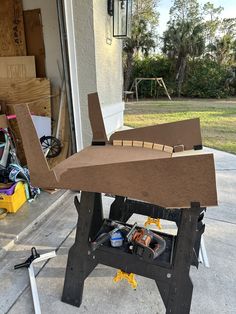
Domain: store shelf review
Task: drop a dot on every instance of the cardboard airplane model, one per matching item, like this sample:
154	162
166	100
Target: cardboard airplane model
136	163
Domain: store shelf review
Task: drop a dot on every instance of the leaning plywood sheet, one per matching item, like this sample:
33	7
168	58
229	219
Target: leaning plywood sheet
3	121
186	133
35	40
34	91
17	67
137	172
12	35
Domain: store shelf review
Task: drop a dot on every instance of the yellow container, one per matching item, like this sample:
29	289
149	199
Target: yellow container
13	202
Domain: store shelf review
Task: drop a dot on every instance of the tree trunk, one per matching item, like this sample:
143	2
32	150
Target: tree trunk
180	75
128	71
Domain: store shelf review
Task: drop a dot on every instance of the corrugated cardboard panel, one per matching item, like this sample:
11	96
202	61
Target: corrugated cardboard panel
35	40
12	35
17	67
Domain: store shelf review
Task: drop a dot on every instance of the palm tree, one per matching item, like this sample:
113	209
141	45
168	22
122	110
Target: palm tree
223	50
181	41
142	40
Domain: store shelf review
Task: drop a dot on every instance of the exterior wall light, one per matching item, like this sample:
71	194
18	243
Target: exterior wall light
121	10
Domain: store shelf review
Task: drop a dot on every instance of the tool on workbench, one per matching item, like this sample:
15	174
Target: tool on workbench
102	238
35	257
146	244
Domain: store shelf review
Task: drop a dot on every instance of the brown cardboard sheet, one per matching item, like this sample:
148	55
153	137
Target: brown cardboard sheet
136	172
168	182
96	120
36	161
186	133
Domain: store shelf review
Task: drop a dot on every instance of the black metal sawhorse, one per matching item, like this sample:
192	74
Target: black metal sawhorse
172	278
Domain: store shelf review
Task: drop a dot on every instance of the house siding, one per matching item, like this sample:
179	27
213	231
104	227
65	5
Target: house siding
99	64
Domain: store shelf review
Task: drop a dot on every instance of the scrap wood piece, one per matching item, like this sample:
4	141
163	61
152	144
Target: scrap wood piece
168	149
34	39
158	146
117	143
137	143
63	131
148	145
25	90
35	92
17	67
3	121
127	143
12	35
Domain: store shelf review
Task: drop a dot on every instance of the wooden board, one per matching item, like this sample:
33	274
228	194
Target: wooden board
35	40
12	35
17	67
34	90
3	121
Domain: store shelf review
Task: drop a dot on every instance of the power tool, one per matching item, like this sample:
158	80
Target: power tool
145	243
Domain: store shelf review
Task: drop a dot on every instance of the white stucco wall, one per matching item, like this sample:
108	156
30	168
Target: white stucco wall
97	64
51	36
108	55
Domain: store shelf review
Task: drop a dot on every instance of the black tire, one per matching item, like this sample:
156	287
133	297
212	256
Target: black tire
52	145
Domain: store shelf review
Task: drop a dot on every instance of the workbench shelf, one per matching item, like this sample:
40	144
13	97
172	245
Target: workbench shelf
170	270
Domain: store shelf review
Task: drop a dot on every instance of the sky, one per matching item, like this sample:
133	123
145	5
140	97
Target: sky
164	7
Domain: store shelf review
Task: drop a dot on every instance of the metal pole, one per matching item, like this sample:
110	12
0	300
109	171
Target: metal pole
65	57
33	284
34	290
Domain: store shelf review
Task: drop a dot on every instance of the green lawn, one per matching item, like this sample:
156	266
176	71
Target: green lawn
218	118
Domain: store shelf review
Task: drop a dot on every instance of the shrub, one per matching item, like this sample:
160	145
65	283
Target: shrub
155	66
204	78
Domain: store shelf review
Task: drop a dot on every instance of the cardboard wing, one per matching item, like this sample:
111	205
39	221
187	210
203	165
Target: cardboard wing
136	172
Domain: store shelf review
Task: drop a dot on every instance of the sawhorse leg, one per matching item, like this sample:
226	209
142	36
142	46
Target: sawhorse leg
81	261
181	287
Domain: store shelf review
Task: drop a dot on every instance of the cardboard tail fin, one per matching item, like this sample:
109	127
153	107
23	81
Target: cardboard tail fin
96	120
40	173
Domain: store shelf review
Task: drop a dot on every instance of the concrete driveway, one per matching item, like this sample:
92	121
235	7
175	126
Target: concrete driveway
214	287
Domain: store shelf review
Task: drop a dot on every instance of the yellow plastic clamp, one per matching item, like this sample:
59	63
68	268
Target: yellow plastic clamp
155	221
129	277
